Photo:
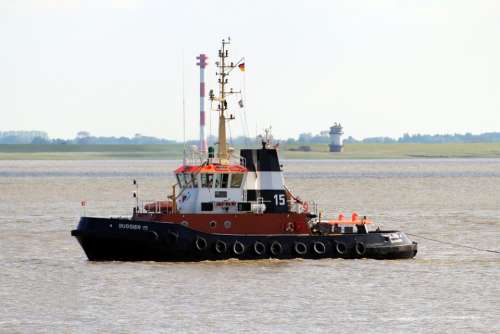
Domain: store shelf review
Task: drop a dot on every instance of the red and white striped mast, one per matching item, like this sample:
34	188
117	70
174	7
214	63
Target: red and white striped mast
202	62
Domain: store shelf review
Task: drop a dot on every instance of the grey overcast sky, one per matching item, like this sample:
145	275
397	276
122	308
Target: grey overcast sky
380	67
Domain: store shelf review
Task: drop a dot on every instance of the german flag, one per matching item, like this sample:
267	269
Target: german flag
242	67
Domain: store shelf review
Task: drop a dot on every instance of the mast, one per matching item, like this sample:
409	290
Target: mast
223	72
183	115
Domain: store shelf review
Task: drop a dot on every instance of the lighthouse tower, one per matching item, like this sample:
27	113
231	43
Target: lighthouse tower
336	132
202	62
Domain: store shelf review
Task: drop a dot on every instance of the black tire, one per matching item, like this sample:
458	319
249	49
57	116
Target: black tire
220	247
200	243
238	248
276	248
259	248
153	235
360	248
319	247
341	248
300	248
172	237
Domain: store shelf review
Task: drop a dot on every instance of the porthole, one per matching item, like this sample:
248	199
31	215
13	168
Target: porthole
212	224
227	224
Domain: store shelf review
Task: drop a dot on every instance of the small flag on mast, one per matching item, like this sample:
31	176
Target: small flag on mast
242	67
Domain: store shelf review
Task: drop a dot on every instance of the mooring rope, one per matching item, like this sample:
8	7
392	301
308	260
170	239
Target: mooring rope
455	244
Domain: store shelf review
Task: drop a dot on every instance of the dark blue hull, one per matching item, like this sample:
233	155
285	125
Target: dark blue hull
113	239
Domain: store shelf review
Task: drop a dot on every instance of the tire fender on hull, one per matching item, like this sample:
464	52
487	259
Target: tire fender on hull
172	237
201	243
360	248
300	248
238	248
153	235
276	248
319	247
220	247
259	248
341	248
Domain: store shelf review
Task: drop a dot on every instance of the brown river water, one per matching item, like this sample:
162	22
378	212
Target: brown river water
48	286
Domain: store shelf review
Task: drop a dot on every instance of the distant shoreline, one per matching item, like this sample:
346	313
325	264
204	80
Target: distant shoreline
318	151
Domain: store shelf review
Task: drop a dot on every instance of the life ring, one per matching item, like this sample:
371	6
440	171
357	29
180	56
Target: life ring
220	247
300	248
259	248
360	248
201	243
341	248
319	247
290	227
305	206
172	237
276	248
238	248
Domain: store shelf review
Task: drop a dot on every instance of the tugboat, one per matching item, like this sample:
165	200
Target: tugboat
234	206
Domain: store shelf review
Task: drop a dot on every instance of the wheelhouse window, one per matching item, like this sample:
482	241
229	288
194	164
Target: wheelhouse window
225	181
221	180
194	180
207	180
180	180
236	180
187	180
184	180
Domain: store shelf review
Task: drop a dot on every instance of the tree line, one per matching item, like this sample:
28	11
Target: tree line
82	138
85	138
